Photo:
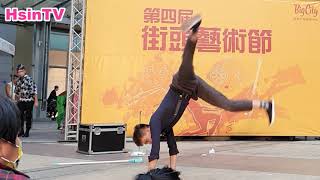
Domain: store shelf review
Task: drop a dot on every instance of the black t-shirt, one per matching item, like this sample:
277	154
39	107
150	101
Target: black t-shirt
52	96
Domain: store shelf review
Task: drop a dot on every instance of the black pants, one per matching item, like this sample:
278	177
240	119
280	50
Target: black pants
26	109
52	108
203	89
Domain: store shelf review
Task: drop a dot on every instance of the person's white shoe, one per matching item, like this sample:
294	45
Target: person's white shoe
192	23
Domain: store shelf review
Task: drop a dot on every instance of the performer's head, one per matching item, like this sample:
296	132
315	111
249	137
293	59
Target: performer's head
142	135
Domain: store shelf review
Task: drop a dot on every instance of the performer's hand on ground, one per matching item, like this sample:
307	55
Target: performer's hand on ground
152	165
173	168
173	162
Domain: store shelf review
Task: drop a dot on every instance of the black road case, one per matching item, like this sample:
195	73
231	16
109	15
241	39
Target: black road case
101	138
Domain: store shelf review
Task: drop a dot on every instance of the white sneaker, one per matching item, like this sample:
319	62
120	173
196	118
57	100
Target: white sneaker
192	23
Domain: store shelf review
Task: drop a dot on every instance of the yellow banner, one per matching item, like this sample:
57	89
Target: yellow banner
251	49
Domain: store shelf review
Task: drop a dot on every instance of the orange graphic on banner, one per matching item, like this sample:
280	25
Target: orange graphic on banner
271	54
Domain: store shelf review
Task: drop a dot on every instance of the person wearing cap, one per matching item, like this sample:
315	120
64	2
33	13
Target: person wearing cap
10	144
26	95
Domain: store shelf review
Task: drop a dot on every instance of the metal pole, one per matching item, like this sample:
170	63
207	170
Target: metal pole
75	63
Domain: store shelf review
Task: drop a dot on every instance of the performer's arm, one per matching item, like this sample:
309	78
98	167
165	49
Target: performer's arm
155	149
173	150
173	162
152	164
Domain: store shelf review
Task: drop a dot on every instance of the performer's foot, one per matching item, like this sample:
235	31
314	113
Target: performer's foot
195	28
271	112
192	24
